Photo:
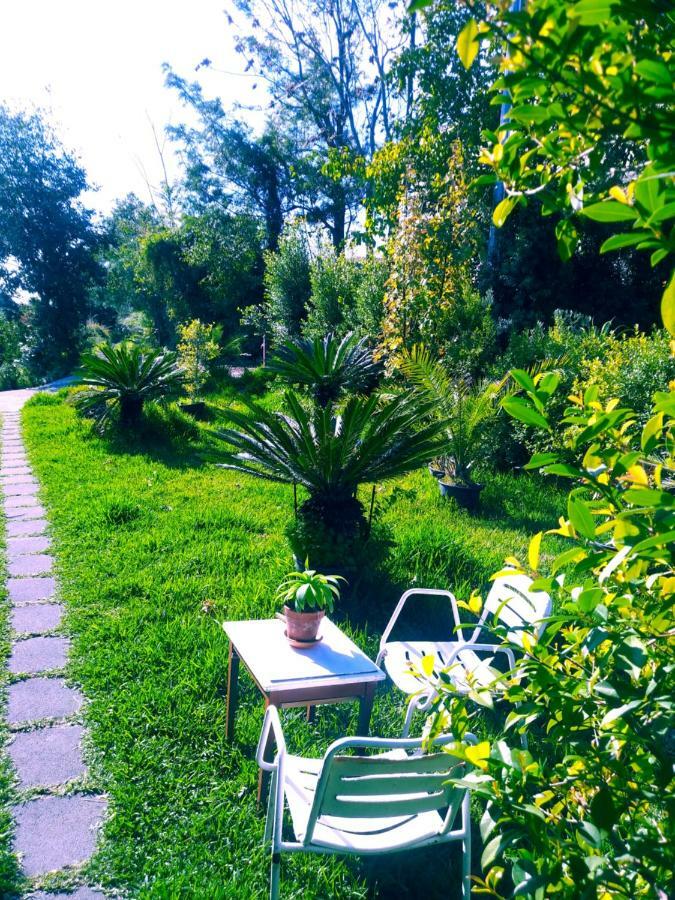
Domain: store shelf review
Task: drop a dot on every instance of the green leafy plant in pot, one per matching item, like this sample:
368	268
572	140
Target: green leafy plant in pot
467	409
306	596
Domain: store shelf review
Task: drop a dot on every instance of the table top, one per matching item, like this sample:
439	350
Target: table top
275	665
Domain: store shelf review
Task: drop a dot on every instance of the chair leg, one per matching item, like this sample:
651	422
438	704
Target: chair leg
466	850
410	712
275	875
269	821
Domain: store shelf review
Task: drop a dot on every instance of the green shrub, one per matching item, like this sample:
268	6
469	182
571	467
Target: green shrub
335	283
287	284
583	811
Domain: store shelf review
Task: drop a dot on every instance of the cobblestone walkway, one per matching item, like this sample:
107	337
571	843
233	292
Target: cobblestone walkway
56	818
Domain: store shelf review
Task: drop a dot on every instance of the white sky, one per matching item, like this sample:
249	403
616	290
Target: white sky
96	66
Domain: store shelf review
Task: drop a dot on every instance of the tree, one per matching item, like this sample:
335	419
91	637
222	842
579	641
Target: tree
47	239
226	164
328	71
591	117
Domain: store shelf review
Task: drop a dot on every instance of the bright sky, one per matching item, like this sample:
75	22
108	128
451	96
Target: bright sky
96	65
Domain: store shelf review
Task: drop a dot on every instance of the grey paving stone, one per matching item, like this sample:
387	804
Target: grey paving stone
19	527
21	488
48	756
41	698
53	832
35	564
14	462
28	544
26	512
15	474
22	590
35	618
12	503
38	654
83	893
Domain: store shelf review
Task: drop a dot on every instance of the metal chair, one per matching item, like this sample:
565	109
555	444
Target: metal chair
397	799
468	663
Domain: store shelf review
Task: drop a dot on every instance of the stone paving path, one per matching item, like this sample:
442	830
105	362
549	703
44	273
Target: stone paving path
56	824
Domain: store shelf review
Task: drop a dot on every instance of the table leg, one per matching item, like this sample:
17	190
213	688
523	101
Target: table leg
365	709
232	692
311	713
263	776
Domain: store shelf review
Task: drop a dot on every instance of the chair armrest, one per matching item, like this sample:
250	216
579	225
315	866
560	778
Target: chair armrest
424	592
273	723
483	648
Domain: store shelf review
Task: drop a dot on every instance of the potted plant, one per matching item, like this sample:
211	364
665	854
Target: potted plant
306	596
467	409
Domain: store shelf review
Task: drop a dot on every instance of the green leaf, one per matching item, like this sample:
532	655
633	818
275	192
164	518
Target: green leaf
651	432
668	305
617	241
521	377
520	409
593	12
667	211
654	70
533	551
467	45
602	808
610	211
657	256
580	517
502	211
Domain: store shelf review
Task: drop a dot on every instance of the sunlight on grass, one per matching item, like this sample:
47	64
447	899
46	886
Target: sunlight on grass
155	550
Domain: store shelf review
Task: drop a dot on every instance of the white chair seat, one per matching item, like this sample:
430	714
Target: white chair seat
469	670
400	655
355	835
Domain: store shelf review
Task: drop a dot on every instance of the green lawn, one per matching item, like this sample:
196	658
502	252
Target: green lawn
155	549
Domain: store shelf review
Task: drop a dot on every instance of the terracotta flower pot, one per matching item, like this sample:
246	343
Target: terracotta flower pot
302	626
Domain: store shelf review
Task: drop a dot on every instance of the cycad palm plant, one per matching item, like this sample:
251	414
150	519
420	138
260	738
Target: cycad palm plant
467	409
329	449
328	367
123	378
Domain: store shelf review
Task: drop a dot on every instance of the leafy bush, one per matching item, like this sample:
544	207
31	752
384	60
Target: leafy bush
287	284
335	281
14	371
198	347
583	811
631	367
121	379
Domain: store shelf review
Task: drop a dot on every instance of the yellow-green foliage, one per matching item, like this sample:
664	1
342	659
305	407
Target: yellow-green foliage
197	348
631	367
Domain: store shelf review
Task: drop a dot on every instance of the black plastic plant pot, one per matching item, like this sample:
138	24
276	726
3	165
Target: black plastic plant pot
465	495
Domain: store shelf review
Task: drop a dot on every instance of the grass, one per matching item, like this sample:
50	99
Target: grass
154	550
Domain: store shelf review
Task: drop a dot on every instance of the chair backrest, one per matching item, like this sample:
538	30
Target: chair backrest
385	786
517	607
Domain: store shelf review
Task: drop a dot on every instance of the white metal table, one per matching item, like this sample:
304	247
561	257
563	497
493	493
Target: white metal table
331	671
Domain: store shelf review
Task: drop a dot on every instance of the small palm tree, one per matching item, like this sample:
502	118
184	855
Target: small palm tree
328	367
466	408
331	453
123	378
